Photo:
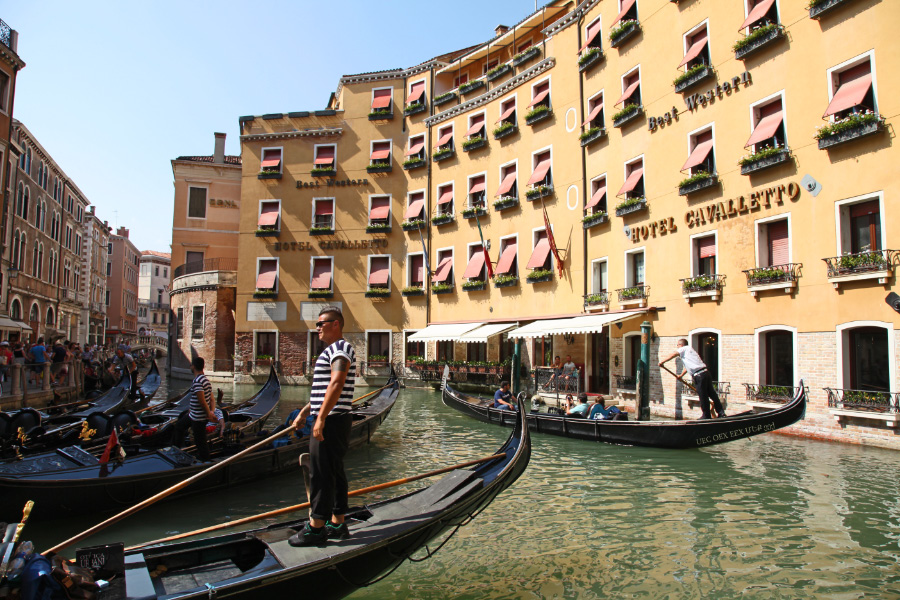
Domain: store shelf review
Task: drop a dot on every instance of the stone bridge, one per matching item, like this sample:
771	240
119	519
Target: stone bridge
153	342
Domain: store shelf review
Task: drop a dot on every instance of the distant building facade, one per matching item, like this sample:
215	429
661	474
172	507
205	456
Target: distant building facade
122	288
153	295
93	277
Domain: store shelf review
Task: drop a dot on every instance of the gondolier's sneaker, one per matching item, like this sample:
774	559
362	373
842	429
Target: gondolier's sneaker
309	537
339	532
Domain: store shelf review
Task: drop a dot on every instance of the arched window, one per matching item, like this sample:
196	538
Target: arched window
15	311
35	314
38	209
22	250
40	267
15	249
34	260
24	214
50	316
20	199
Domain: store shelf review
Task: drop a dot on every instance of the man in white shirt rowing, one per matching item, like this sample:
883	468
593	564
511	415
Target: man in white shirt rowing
693	364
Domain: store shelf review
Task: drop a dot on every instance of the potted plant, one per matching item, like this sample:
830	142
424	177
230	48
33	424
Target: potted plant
498	72
539	192
320	293
691	76
378	167
267	293
321	230
595	218
414	108
413	290
766	157
473	285
473	211
505	202
471	86
443	98
442	288
269	174
377	360
767	275
849	128
525	55
630	205
595	299
756	39
323	171
267	232
632	292
593	133
697	181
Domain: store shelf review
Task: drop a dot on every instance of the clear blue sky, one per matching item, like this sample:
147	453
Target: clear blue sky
115	90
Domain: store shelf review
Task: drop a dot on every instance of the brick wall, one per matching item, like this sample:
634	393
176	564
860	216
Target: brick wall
217	343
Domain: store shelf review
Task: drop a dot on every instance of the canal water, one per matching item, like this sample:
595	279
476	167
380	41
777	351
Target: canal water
768	517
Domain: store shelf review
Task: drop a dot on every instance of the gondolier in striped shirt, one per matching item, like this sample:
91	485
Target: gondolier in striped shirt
202	406
330	401
692	363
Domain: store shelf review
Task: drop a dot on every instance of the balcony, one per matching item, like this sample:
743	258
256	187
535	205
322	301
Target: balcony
592	135
596	301
702	286
820	7
211	272
764	159
692	76
592	220
627	114
506	202
631	205
523	57
769	396
6	35
444	98
625	31
776	277
697	182
849	129
878	264
589	58
759	38
635	295
864	404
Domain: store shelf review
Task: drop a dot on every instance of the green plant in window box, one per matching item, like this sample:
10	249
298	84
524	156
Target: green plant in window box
468	213
767	274
502	128
442	97
538	274
320	230
688	74
630	202
267	293
702	282
413	224
626	111
441	287
496	71
756	34
270	172
537	111
413	162
589	133
537	192
474	141
474	284
622	28
700	176
595	216
376	227
764	153
850	122
596	299
320	293
413	289
263	357
381	113
322	171
373	358
378	291
588	56
862	260
441	219
633	292
501	280
442	153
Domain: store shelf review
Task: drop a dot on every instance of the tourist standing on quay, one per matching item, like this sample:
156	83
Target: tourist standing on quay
691	362
330	401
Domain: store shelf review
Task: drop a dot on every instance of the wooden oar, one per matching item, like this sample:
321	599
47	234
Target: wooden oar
295	507
678	378
369	394
167	492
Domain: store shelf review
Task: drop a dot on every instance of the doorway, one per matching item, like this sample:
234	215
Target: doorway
599	379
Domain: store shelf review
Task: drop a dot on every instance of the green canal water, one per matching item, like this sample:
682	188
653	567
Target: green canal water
768	517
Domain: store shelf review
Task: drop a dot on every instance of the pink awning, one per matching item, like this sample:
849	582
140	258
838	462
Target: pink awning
325	155
539	254
381	208
507	113
507	183
478	185
414	210
506	259
694	51
443	270
592	31
626	6
321	278
380	153
540	171
849	95
765	129
268	271
446	196
269	214
416	147
539	98
416	92
701	151
271	163
476	264
593	114
628	92
381	99
597	197
631	182
758	12
445	139
477	125
379	271
324	207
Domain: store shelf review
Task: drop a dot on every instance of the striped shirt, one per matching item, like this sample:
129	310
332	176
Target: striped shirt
201	383
322	376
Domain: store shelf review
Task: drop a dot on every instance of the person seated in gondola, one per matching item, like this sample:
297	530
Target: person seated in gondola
578	408
503	397
598	409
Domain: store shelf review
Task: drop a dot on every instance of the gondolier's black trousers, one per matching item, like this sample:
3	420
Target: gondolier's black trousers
327	480
705	391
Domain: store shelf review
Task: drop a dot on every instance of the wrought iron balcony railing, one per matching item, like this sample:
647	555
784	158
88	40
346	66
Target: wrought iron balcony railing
774	274
634	293
702	283
774	394
861	262
863	400
626	382
5	34
596	299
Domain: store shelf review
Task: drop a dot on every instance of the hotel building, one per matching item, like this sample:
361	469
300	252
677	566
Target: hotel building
720	170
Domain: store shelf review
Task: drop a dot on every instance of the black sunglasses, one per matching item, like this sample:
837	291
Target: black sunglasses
321	324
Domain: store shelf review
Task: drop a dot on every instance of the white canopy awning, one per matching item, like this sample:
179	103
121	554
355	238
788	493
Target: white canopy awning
6	323
482	334
573	325
442	333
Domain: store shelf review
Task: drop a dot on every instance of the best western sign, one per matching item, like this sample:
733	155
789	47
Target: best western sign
697	101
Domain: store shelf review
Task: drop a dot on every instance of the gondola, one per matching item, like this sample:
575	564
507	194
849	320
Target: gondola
653	434
261	564
71	480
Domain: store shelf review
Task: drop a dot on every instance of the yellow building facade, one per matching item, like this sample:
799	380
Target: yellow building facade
719	170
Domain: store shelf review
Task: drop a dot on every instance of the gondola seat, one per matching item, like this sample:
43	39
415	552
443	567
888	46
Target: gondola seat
98	422
27	419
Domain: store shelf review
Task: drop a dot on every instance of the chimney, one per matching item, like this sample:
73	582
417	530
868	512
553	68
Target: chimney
500	30
91	210
122	232
219	154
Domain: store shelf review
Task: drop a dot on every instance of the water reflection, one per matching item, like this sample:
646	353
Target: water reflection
768	517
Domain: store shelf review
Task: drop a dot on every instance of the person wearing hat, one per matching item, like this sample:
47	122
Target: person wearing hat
126	362
6	359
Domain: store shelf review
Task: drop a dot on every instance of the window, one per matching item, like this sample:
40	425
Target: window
4	91
445	350
269	217
321	273
78	246
541	173
508	263
16	310
325	156
592	37
265	345
701	157
859	222
767	118
267	274
773	242
696	48
378	344
867	359
379	272
540	254
15	249
776	349
627	12
476	127
507	111
415	270
631	89
475	268
196	202
416	150
599	277
323	213
109	249
414	349
476	352
197	322
759	14
68	237
540	95
445	199
179	323
508	187
379	210
543	351
107	298
488	65
415	206
271	161
595	116
445	139
632	354
382	100
703	255
461	79
416	93
443	272
165	271
634	180
707	346
634	268
192	258
154	318
597	203
477	187
851	86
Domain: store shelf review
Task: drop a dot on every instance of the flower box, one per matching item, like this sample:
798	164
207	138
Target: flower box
631	205
702	286
414	163
765	158
538	192
412	224
379	168
321	293
269	175
265	294
378	228
593	220
471	86
849	129
506	202
473	286
697	182
538	114
777	277
321	231
267	232
381	115
413	291
524	56
757	39
638	294
441	288
378	292
471	213
442	219
474	144
877	264
593	56
627	114
592	135
505	129
692	76
323	172
539	276
444	98
600	299
498	72
817	8
414	109
502	281
624	32
442	154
